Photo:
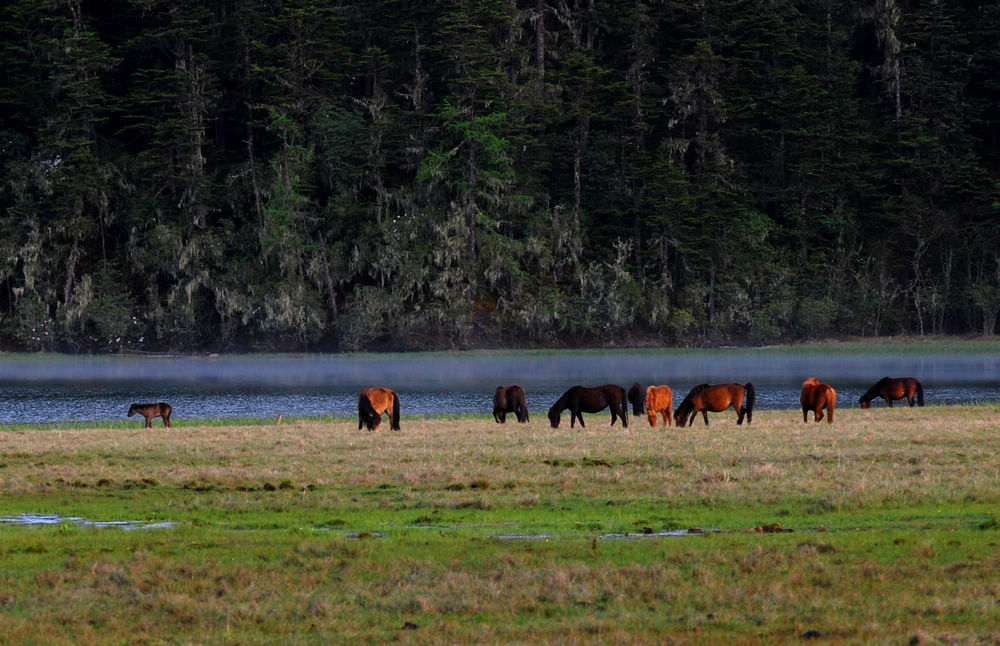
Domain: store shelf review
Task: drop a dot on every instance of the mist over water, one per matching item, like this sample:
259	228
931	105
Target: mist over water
48	389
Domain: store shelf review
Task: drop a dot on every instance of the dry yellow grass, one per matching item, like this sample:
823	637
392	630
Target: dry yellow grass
867	457
264	552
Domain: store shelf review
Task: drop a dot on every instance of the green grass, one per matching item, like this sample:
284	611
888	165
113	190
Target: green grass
465	531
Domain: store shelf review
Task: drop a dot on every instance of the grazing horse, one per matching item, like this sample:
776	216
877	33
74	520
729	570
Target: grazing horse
509	399
149	411
890	388
659	399
637	397
816	397
579	399
372	403
703	398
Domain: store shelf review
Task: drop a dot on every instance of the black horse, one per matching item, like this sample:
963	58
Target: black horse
579	399
509	399
637	397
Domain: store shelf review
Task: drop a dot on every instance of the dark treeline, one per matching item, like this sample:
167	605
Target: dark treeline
366	174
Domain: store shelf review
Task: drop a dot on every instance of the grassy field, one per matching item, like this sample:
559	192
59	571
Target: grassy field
880	528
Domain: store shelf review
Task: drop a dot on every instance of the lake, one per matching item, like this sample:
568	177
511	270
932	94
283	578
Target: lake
57	388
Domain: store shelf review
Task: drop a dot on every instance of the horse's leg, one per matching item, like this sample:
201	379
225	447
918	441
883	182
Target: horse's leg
819	413
149	420
166	419
668	416
579	415
704	414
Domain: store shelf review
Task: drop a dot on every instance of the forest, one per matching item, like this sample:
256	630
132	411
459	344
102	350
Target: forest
352	175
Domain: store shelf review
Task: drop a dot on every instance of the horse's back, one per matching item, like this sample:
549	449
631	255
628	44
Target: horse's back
381	399
659	398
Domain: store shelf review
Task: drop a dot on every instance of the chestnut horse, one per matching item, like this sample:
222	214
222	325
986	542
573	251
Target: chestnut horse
149	411
816	397
509	399
372	403
890	388
590	400
659	399
637	397
703	398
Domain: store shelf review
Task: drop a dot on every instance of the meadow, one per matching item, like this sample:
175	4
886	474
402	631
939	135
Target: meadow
879	528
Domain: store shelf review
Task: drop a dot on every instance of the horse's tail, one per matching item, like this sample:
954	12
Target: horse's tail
751	397
920	393
522	408
394	420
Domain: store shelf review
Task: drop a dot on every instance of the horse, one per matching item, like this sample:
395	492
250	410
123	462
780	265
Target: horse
579	399
659	399
372	402
704	398
509	399
890	388
816	397
637	397
149	411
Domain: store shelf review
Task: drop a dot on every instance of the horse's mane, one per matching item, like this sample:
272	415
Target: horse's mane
563	402
811	381
686	404
872	392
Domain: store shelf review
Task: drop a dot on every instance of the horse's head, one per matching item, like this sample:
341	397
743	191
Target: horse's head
680	416
132	410
651	414
864	402
554	417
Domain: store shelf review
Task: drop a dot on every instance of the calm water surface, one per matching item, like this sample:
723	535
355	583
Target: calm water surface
54	389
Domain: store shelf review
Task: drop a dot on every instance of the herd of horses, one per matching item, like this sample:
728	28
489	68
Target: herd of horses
653	401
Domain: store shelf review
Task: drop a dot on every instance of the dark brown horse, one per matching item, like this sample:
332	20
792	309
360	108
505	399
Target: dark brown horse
816	397
890	388
704	398
637	397
372	403
659	399
579	399
510	399
149	411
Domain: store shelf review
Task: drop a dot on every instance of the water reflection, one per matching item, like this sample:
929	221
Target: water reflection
57	389
55	519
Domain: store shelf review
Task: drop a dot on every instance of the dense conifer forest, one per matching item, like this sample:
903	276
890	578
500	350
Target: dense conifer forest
239	175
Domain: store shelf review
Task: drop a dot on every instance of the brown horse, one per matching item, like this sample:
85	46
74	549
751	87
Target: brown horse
816	397
703	398
149	411
372	403
590	400
637	397
510	399
890	388
659	399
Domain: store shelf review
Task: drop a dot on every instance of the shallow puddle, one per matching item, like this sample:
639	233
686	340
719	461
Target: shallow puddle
605	537
55	519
